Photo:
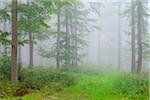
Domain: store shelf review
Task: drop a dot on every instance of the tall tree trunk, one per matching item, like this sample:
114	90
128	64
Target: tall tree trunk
72	44
67	56
31	50
76	47
58	41
19	56
14	69
30	45
119	37
139	26
133	62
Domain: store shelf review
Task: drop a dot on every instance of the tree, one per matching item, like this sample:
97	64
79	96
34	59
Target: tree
58	41
14	69
133	37
139	26
32	21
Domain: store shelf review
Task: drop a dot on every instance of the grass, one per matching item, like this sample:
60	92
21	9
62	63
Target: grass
94	84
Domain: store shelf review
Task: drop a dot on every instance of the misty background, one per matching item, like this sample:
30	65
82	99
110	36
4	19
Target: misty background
102	45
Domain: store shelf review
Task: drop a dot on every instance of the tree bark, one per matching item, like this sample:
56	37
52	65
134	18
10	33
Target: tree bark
139	26
76	47
30	46
19	59
133	62
14	69
30	50
58	42
67	56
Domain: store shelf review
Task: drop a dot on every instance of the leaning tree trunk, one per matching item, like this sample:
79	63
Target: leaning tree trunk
139	26
14	69
133	64
58	42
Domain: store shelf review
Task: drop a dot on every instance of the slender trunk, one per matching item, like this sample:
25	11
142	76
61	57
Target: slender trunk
19	56
30	45
58	41
139	26
67	56
133	66
76	47
14	69
72	44
30	50
119	38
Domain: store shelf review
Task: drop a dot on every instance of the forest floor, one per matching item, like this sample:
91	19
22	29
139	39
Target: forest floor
97	86
88	87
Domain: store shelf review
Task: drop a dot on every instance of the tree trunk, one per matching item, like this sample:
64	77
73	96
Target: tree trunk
76	47
19	56
119	37
30	50
72	44
133	62
14	69
139	26
58	41
67	56
30	46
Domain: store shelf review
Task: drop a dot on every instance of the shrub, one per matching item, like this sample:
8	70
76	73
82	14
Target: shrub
5	68
133	86
39	78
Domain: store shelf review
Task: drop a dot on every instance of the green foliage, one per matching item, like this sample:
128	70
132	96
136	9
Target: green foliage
37	79
4	15
40	78
5	66
4	38
70	42
133	86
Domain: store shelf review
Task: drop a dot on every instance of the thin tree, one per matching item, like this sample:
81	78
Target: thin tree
67	56
133	64
30	46
14	69
139	29
58	41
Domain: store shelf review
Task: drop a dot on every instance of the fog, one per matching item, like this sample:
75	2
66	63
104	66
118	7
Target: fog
102	48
